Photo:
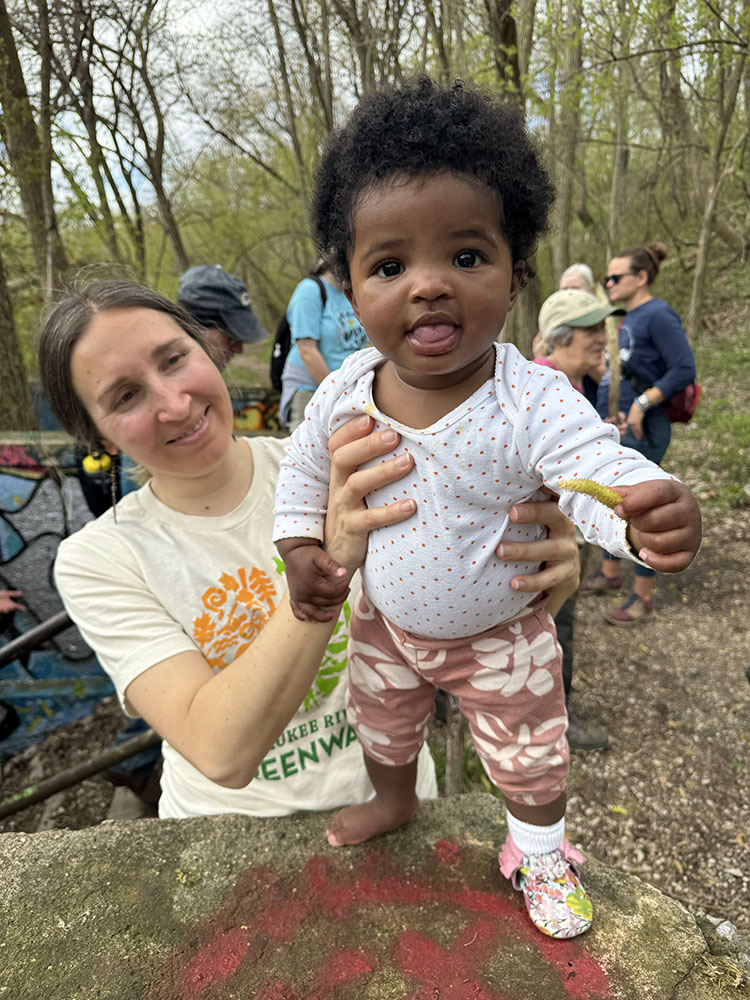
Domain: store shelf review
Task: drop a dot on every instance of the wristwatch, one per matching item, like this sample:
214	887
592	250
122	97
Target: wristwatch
644	402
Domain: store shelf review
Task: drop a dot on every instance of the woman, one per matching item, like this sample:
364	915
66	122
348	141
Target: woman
571	325
325	332
178	589
657	362
578	276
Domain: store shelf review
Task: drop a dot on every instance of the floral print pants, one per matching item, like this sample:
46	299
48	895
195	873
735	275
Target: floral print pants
508	683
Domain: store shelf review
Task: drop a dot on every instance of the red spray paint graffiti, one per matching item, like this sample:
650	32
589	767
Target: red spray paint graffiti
275	915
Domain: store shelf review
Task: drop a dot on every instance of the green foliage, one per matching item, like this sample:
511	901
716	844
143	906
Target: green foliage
728	461
712	453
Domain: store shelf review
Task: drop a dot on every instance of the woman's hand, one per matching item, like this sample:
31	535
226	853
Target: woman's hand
349	520
558	553
618	422
635	421
8	602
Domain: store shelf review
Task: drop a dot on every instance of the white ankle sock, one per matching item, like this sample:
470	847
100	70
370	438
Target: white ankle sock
531	839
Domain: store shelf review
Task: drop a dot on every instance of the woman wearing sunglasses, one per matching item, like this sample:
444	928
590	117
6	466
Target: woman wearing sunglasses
656	363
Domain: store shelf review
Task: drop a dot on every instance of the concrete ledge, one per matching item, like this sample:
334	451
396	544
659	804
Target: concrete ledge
233	907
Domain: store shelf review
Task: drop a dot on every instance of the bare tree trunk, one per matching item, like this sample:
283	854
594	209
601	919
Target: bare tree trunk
291	120
45	121
360	30
567	138
78	34
318	68
26	155
501	28
171	228
16	409
619	169
695	309
621	102
438	40
527	314
526	12
679	119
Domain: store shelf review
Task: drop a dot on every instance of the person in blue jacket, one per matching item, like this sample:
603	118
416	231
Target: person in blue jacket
656	363
325	332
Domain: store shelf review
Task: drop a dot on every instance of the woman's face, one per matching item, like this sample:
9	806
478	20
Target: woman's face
574	281
622	282
584	353
152	392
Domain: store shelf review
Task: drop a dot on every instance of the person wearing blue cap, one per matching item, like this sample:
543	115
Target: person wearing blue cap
221	304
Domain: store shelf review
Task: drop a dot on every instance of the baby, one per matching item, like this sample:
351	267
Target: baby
428	203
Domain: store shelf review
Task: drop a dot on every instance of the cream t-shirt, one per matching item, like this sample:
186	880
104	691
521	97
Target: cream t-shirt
157	583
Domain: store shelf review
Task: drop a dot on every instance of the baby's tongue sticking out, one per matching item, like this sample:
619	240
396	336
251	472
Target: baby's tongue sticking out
432	338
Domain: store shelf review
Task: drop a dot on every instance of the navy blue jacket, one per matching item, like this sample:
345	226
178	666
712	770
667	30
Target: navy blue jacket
654	347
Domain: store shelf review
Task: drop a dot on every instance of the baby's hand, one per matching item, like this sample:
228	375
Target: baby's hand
318	585
664	523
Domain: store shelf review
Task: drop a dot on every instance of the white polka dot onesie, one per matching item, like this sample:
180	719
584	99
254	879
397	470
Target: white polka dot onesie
437	574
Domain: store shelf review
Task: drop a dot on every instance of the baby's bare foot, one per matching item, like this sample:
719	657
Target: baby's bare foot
355	824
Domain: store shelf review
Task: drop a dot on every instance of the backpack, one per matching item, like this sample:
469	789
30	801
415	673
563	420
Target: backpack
681	407
282	340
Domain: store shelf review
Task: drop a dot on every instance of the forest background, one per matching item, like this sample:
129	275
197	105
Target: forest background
146	136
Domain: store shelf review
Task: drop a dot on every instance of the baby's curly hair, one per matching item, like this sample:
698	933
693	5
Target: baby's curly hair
417	129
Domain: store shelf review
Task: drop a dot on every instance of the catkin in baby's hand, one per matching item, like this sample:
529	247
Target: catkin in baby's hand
609	497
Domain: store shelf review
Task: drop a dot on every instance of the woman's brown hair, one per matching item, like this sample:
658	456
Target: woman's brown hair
66	323
646	259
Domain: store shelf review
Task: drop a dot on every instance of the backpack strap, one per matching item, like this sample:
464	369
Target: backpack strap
322	286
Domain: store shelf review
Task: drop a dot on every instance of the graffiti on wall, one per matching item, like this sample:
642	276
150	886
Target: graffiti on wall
39	506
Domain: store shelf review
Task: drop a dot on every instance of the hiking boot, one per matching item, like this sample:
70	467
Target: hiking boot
635	610
555	899
600	584
585	735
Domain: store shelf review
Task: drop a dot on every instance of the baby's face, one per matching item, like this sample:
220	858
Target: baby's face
432	279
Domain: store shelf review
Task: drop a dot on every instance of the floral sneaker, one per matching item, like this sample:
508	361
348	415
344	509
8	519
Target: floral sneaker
555	899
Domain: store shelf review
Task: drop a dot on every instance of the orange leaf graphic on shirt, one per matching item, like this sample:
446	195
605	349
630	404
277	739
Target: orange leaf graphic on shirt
203	628
235	612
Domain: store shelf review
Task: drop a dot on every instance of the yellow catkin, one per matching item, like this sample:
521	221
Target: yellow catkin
609	497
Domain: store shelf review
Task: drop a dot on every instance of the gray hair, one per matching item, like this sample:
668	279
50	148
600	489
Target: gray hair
558	336
65	325
583	272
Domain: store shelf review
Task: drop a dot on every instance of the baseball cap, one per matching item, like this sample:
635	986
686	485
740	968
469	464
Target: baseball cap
216	298
574	307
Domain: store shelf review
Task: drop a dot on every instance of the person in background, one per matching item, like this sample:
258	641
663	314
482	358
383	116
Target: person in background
578	276
657	362
324	334
221	304
571	324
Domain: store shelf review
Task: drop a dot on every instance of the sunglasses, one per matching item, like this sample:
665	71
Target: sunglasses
614	278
